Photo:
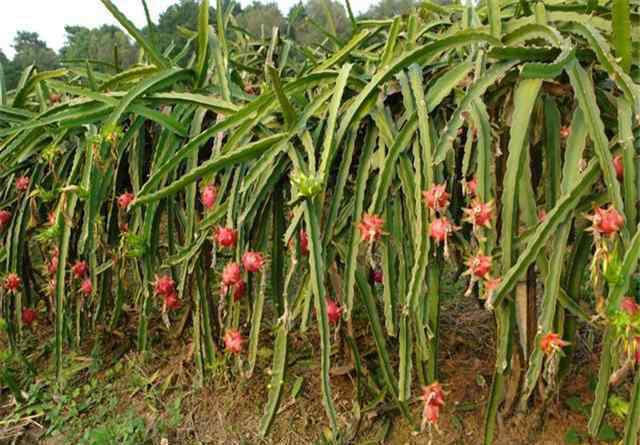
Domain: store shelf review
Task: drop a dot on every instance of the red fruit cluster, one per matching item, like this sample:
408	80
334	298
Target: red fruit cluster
334	312
440	229
5	218
479	266
208	196
80	269
253	261
479	214
630	306
165	287
125	200
22	183
433	397
370	227
619	167
233	341
28	316
12	282
86	287
436	198
607	221
225	236
551	343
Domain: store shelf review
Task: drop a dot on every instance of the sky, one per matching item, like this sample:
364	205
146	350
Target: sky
48	17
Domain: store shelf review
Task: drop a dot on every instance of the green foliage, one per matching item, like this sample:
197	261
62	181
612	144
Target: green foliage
321	148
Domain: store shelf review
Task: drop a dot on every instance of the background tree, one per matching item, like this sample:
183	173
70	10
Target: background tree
98	44
389	8
261	17
321	17
30	50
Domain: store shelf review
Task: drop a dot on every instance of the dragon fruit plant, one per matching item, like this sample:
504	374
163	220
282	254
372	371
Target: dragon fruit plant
266	187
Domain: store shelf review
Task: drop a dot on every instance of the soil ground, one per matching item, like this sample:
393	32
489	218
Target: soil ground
154	401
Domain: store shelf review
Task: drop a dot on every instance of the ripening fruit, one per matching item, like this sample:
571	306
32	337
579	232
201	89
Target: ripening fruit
226	236
164	285
231	274
377	276
479	214
54	98
630	306
436	198
334	312
433	398
208	196
80	269
233	341
22	183
552	342
304	242
86	287
370	227
619	167
28	316
5	218
239	289
471	187
607	221
51	217
565	132
171	301
52	264
12	282
440	229
479	265
252	261
125	200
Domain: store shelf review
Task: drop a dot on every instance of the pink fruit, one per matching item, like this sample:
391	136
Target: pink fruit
5	218
233	341
607	221
125	200
472	186
334	312
52	265
51	217
226	236
28	316
440	229
370	227
479	265
552	342
436	198
80	269
208	196
565	132
433	397
630	306
252	261
12	282
377	276
304	242
479	214
231	274
86	287
22	183
171	301
619	167
164	285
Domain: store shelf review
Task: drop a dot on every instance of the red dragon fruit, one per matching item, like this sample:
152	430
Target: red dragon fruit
440	229
5	218
171	301
233	341
226	236
619	167
12	282
252	261
433	397
125	200
377	276
334	312
630	306
370	227
208	196
479	265
436	198
28	316
552	342
80	269
479	214
164	285
231	274
22	183
607	221
86	287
